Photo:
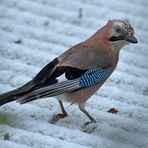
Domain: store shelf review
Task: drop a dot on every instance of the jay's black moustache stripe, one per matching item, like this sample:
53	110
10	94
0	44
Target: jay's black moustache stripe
116	38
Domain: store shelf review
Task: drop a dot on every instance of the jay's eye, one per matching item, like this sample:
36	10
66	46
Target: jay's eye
118	29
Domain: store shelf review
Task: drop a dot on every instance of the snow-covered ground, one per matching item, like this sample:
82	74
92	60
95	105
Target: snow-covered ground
32	33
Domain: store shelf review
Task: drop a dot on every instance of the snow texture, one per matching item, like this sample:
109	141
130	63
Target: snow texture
32	33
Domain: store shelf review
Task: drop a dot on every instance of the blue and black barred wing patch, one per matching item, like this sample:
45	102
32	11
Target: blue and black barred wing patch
93	76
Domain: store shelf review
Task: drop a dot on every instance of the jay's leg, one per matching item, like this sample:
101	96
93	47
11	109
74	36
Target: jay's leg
64	113
82	108
59	116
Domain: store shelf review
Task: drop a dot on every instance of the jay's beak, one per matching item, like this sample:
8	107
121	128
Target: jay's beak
131	39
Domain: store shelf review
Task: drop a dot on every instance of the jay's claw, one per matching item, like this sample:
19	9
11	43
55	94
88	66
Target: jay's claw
57	117
87	123
89	127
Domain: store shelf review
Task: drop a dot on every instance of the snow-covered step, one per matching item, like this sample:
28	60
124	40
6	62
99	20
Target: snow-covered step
103	123
9	144
71	16
123	95
18	67
140	49
45	22
30	43
40	57
75	115
35	139
132	69
132	111
42	34
126	5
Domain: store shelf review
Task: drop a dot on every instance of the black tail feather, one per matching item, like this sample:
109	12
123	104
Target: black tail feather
50	91
8	97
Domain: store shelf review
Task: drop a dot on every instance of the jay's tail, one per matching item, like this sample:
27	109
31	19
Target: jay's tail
7	97
44	92
52	90
16	93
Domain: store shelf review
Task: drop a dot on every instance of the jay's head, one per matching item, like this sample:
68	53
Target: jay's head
121	33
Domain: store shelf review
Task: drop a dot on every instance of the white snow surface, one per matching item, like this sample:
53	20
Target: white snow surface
32	33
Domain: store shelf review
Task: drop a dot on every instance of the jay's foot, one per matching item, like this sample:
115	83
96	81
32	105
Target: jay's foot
89	127
57	117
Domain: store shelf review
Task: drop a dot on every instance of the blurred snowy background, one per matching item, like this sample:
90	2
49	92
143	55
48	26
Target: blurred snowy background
32	33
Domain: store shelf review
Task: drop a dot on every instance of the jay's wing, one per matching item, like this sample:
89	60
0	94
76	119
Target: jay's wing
89	78
74	62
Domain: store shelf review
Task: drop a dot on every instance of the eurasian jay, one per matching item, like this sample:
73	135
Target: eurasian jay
86	67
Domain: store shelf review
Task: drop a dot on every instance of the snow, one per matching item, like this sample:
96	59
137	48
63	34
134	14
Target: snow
33	32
